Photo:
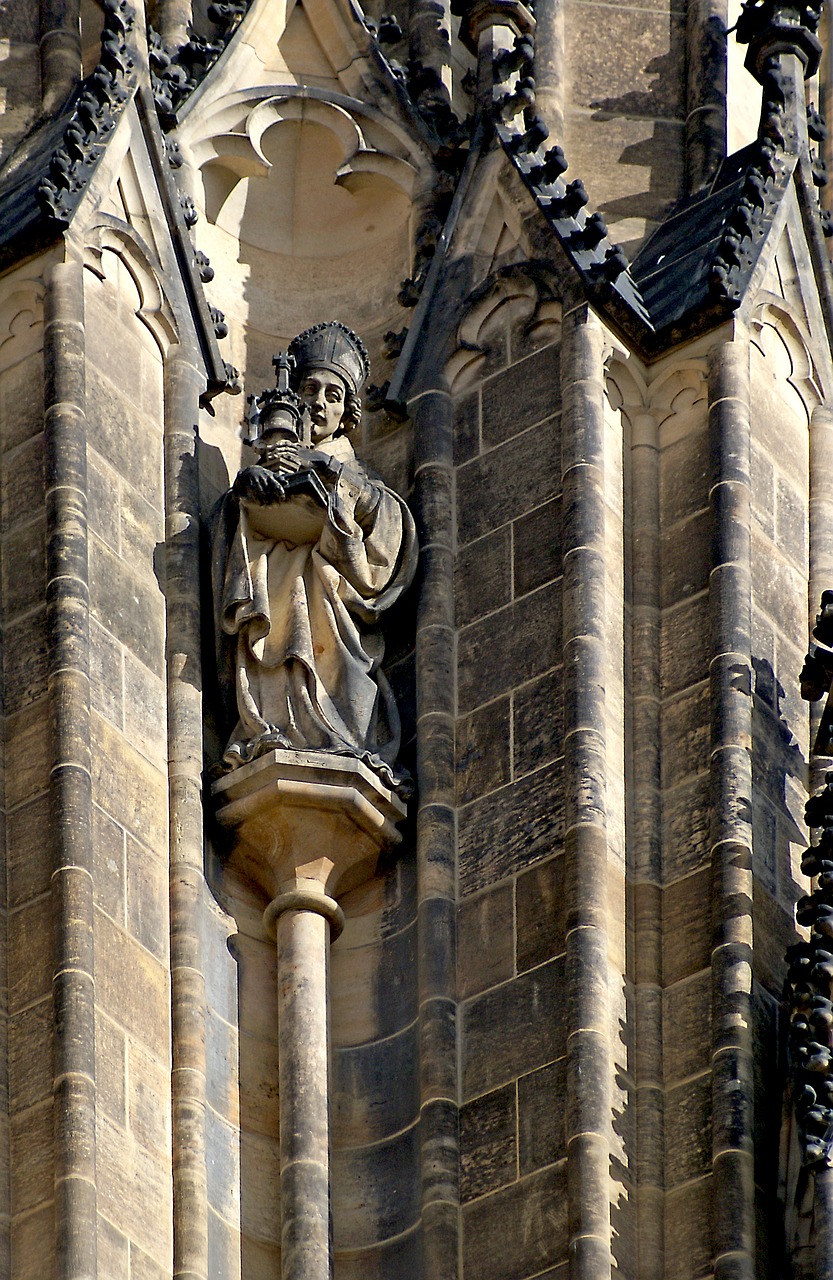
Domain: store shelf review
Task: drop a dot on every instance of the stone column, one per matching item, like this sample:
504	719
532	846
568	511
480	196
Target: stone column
305	917
183	384
730	671
70	779
306	825
585	817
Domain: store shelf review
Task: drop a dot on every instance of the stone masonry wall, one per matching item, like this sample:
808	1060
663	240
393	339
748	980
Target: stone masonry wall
129	752
510	825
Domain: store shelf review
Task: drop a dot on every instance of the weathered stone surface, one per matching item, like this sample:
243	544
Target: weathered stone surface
466	427
536	547
508	481
688	1131
686	1018
365	1105
541	913
488	1143
509	647
522	395
538	722
687	927
510	828
482	751
513	1028
518	1231
542	1137
483	576
485	934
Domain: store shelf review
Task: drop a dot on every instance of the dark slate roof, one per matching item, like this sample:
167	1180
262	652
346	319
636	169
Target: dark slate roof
23	227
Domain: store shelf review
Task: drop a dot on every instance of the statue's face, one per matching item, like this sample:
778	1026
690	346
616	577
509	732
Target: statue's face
324	393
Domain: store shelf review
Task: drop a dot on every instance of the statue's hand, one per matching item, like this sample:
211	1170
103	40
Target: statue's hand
285	457
256	484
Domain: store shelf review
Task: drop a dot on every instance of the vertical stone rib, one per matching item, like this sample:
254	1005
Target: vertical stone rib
431	414
549	65
67	618
645	842
730	611
60	51
183	385
429	25
821	545
705	137
585	840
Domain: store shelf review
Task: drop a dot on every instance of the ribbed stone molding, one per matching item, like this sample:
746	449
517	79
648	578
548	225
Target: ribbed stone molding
307	826
730	671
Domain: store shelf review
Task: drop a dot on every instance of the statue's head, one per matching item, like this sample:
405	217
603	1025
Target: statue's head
331	348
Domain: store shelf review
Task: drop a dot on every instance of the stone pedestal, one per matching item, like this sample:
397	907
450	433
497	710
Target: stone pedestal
307	826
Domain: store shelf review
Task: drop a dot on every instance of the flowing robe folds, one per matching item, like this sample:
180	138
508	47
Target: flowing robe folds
296	618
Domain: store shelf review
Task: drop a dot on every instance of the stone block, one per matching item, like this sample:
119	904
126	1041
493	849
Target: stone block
256	962
28	754
483	576
763	491
128	787
466	427
142	530
108	865
103	501
21	400
520	396
688	1131
542	1137
779	589
684	476
686	1024
260	1162
400	1257
686	827
791	522
482	751
538	722
111	1070
106	675
375	1088
32	1145
143	1267
131	986
373	989
540	913
774	932
148	1109
514	1028
21	483
364	1211
536	549
113	1250
684	645
508	481
30	1055
518	1231
30	953
134	1191
511	828
488	1143
686	927
27	1236
135	454
509	647
28	851
685	552
25	661
147	900
686	735
128	604
688	1230
24	567
241	1075
485	940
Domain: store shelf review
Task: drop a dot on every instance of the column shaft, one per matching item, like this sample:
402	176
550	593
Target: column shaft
183	384
436	838
60	51
303	939
68	627
730	610
585	841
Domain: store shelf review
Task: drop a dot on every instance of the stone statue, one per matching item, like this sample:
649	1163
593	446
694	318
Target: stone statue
309	549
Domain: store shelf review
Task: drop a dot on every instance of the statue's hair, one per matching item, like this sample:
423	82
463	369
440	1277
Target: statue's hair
352	416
